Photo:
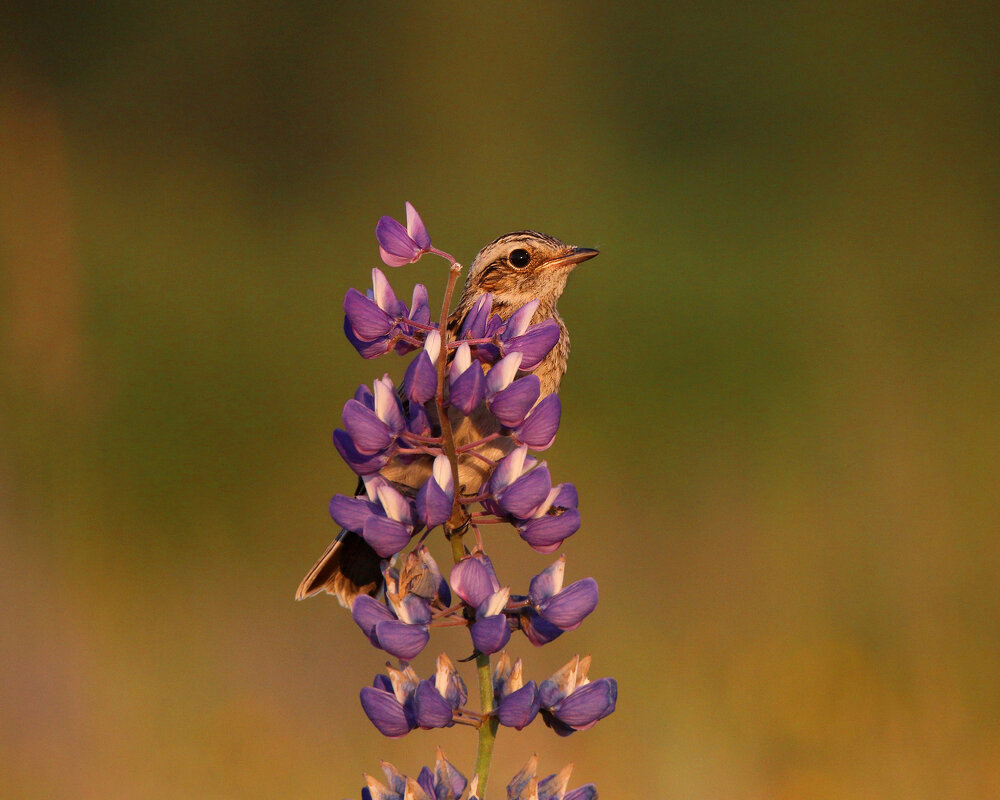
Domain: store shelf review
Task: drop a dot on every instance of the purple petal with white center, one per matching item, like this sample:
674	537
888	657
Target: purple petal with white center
519	708
546	534
520	320
449	683
447	778
401	640
366	319
420	380
385	298
490	634
512	404
431	708
493	604
387	537
372	482
502	373
385	712
461	361
350	513
474	326
586	792
413	610
538	431
442	474
520	783
524	495
467	390
432	345
508	470
537	630
395	779
581	709
415	228
367	612
396	246
535	344
387	407
473	579
420	310
361	463
567	609
547	582
396	506
434	501
369	434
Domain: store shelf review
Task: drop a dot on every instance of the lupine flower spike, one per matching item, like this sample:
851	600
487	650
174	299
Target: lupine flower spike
480	391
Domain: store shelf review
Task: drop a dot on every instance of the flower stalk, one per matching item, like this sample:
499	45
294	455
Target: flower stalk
482	368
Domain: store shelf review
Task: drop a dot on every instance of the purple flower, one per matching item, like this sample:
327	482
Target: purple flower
510	400
491	631
408	702
553	610
447	783
534	342
516	701
538	430
474	580
520	485
400	626
525	786
567	607
374	420
389	702
444	783
390	531
420	381
385	520
399	245
468	386
571	702
437	495
401	636
372	321
481	322
554	521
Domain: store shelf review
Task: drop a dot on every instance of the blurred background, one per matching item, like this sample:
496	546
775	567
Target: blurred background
781	410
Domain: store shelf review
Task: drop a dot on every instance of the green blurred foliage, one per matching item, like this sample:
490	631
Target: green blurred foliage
781	410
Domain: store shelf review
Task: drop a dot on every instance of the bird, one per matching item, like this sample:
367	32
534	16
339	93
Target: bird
515	269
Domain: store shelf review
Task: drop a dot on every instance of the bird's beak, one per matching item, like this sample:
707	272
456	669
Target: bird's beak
575	256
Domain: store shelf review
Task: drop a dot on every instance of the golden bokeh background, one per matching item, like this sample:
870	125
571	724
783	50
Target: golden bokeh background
781	411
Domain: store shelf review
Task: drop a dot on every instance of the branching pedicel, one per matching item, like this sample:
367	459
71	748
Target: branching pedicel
482	367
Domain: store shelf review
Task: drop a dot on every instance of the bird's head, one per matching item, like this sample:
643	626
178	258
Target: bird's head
523	266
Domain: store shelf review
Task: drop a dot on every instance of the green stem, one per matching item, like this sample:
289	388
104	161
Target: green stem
488	730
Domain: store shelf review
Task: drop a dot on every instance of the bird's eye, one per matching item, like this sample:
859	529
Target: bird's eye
520	258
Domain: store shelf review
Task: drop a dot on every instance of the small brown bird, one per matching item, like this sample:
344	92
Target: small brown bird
516	268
